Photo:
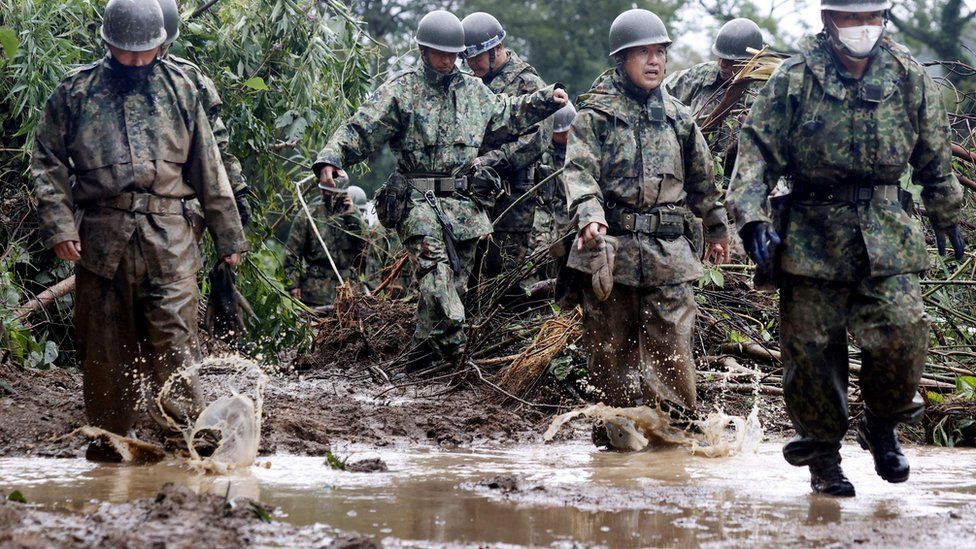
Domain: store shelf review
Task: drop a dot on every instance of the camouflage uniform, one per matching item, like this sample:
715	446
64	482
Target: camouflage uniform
345	235
633	153
849	264
435	126
552	215
136	155
382	250
701	89
513	156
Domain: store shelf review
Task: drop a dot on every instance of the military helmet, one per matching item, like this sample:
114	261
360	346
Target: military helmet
482	32
735	37
358	196
171	20
441	30
563	118
133	25
637	27
855	5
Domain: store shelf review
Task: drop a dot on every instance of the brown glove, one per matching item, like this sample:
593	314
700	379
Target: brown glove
603	251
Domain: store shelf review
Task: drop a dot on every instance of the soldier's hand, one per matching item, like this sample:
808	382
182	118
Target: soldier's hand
328	175
589	232
233	259
758	238
718	253
955	238
296	293
69	250
560	97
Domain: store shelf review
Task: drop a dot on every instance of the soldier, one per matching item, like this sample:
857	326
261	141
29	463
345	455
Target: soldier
842	121
132	132
211	104
344	231
435	119
638	172
552	219
512	155
703	86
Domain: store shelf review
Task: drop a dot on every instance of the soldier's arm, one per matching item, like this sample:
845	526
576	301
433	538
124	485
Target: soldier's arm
51	170
204	171
376	122
704	197
763	151
582	169
529	147
517	114
212	105
932	159
679	86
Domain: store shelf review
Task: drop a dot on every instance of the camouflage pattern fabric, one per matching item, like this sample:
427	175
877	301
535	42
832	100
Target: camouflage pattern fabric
850	266
552	217
383	248
307	265
618	156
435	124
115	163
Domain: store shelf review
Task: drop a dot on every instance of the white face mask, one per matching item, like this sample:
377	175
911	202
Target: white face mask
860	41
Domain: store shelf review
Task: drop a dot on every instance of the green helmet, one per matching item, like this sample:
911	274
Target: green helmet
358	196
441	30
637	27
133	25
482	32
171	20
735	37
855	5
563	119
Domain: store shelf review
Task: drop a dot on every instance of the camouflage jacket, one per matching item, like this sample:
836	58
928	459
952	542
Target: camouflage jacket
820	128
629	156
306	264
553	194
98	146
435	125
514	155
701	89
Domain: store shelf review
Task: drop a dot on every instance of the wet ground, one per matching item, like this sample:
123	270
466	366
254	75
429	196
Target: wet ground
557	494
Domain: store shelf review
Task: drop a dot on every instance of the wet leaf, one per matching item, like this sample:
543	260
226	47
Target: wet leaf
260	512
9	42
935	398
335	462
17	496
256	83
966	387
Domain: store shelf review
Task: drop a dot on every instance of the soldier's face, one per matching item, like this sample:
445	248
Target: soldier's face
479	64
726	68
441	61
134	58
645	65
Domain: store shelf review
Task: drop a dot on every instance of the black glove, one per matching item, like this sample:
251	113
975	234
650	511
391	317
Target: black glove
955	237
759	238
243	208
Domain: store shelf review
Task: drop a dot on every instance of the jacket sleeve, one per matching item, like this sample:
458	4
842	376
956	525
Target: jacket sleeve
204	171
375	123
931	159
680	85
582	169
763	150
212	104
704	197
525	151
51	171
517	114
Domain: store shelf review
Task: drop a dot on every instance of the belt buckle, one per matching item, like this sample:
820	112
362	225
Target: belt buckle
642	223
460	184
863	194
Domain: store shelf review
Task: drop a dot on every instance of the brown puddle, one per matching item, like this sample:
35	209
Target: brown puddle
544	494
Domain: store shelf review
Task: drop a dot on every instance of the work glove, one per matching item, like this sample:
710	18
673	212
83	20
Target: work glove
759	239
603	252
955	238
243	206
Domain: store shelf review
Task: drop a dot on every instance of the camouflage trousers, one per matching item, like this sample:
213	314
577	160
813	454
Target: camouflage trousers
133	333
885	316
639	342
440	308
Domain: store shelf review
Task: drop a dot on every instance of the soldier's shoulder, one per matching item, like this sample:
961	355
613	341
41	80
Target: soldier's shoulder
79	77
402	76
902	54
675	108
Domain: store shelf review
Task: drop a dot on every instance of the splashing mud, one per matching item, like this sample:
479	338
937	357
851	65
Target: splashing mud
132	450
642	427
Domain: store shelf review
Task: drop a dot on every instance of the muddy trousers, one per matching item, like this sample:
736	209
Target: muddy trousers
133	333
440	308
885	316
639	342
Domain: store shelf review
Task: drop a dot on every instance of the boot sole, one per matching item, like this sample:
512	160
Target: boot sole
864	446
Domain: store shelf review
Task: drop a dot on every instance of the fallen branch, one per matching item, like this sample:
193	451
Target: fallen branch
45	298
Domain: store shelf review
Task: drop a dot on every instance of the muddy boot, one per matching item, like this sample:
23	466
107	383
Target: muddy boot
600	436
882	441
826	477
206	441
99	450
421	357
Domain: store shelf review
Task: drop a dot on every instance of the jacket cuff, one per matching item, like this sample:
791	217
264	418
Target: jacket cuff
591	211
62	237
716	225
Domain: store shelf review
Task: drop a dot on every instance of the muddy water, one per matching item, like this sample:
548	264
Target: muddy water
565	492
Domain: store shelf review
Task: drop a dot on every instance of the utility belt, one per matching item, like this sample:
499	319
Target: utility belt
670	221
440	186
143	203
851	193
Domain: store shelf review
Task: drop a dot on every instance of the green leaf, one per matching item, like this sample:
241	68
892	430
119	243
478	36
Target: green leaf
335	462
17	496
966	387
256	83
935	398
260	512
718	278
9	42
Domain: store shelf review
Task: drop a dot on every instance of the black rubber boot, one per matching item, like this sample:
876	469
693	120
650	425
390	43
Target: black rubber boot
99	450
827	478
600	436
882	441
